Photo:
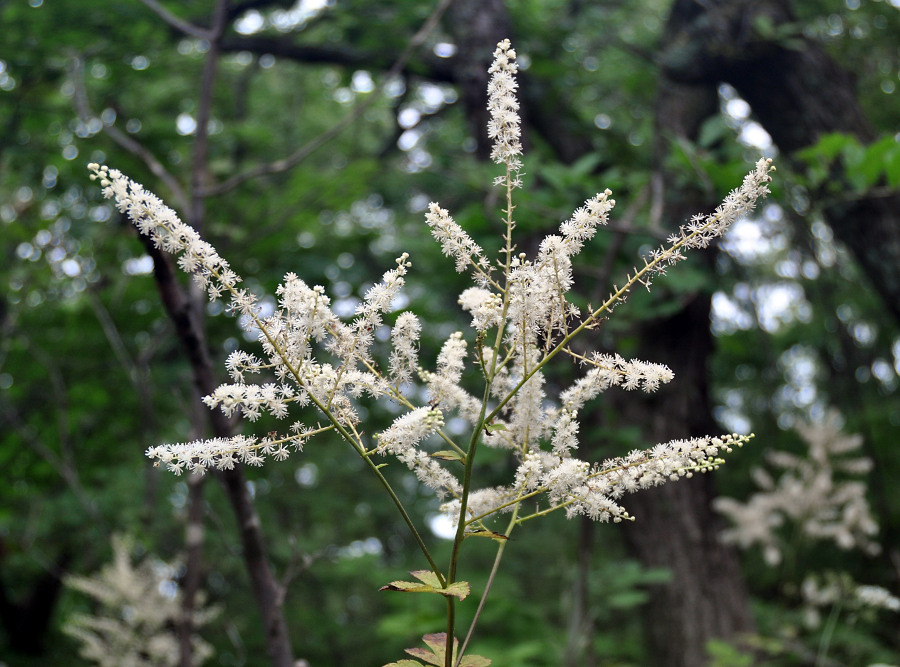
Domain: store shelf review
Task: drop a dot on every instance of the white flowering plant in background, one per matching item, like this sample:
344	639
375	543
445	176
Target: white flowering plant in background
315	363
820	495
815	497
138	608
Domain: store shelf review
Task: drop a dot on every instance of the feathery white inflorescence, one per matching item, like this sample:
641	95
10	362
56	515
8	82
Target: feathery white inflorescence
135	608
313	360
702	230
455	242
815	495
405	355
503	127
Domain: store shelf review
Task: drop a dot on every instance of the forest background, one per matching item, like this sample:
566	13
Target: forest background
309	137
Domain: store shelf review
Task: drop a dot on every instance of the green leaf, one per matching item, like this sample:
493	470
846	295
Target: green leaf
496	428
448	455
437	642
429	584
500	537
876	159
831	145
405	663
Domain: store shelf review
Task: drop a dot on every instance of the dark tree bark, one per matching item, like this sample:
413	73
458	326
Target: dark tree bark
477	27
25	621
185	310
798	95
675	526
267	591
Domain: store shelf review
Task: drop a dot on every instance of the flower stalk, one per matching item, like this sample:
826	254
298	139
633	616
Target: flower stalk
320	367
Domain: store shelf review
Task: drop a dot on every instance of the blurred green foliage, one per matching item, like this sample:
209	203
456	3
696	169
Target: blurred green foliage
91	373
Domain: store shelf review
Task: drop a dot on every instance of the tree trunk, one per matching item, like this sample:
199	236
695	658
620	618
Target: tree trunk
798	95
675	526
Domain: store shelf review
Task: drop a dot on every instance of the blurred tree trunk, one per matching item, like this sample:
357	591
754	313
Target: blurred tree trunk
798	93
675	526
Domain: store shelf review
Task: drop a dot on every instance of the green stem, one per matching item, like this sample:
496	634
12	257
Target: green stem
357	446
487	587
461	524
827	632
476	432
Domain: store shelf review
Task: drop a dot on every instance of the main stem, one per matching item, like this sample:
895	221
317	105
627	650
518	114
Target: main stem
476	432
461	525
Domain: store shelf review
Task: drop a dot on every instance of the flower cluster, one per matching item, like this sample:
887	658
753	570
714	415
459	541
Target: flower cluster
503	127
594	490
139	606
315	362
808	494
455	242
704	229
159	222
839	590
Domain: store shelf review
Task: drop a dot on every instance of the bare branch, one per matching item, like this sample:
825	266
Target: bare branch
178	23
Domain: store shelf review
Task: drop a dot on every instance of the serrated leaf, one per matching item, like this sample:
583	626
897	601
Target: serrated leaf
437	642
429	658
500	537
448	455
405	663
429	584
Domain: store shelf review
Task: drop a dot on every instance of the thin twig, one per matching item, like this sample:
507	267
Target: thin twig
178	23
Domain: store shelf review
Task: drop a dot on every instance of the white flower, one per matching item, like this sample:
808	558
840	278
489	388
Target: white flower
702	230
405	353
808	494
565	433
485	306
529	307
409	430
455	242
503	128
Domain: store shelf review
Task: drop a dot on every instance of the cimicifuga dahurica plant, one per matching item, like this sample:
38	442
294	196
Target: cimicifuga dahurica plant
316	368
137	610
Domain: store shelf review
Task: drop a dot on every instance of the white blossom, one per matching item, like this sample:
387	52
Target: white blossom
137	605
314	361
405	353
702	230
485	306
808	494
503	127
565	433
408	430
455	242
